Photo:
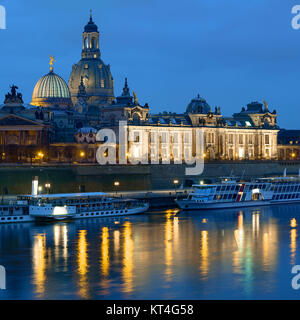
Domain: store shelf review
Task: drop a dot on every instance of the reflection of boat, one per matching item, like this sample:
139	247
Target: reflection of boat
238	194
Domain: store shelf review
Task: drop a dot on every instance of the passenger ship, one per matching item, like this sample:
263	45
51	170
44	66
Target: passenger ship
68	206
230	193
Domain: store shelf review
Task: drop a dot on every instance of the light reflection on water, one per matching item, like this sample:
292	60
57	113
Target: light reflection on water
223	254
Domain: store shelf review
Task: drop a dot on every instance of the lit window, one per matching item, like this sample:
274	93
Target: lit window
86	66
241	152
102	83
100	66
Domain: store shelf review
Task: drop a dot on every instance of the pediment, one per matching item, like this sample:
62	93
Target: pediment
14	120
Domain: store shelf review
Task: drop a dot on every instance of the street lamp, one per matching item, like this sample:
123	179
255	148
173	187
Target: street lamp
40	189
41	156
48	186
176	181
293	155
82	155
116	184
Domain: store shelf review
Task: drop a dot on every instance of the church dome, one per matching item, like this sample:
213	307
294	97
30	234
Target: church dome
97	80
198	105
91	26
96	75
51	90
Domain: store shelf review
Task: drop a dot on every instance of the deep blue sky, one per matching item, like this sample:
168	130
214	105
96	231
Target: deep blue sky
231	52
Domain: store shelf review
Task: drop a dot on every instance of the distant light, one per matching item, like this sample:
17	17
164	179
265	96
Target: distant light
176	181
82	154
255	191
116	183
293	223
201	182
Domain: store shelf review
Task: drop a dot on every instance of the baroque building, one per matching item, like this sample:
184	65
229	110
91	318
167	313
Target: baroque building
61	122
94	73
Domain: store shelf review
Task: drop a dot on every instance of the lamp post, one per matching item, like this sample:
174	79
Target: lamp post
176	181
116	184
82	155
40	189
41	156
48	186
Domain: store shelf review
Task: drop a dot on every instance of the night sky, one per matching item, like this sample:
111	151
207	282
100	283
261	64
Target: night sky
231	52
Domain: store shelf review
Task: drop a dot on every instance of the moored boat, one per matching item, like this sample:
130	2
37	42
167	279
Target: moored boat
230	193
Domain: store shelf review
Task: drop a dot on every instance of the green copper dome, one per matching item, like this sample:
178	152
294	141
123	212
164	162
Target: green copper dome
51	90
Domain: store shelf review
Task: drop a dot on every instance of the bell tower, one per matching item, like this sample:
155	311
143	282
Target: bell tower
90	36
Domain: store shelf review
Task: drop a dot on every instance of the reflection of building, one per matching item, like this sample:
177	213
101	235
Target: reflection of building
61	122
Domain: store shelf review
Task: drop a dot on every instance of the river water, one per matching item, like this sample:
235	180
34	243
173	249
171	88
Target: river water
232	254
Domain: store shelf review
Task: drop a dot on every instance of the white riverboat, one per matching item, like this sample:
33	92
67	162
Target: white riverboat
81	205
64	206
15	211
230	193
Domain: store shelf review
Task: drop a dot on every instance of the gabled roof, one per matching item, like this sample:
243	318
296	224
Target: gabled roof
14	120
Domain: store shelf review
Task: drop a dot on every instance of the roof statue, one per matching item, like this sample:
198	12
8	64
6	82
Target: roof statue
136	102
51	63
13	96
266	105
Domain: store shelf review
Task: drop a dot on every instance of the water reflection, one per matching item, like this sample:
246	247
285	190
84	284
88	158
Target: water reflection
82	259
39	264
168	246
154	256
127	269
293	243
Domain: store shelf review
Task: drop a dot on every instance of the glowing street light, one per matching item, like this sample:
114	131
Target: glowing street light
116	184
40	189
176	181
48	186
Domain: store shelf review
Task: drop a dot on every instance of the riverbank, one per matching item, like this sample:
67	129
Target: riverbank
16	179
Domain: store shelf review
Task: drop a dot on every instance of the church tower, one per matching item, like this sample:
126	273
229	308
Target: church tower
92	71
90	38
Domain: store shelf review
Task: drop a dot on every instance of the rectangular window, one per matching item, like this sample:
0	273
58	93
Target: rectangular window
241	139
102	83
267	139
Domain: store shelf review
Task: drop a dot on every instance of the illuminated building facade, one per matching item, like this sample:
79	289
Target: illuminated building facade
64	119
